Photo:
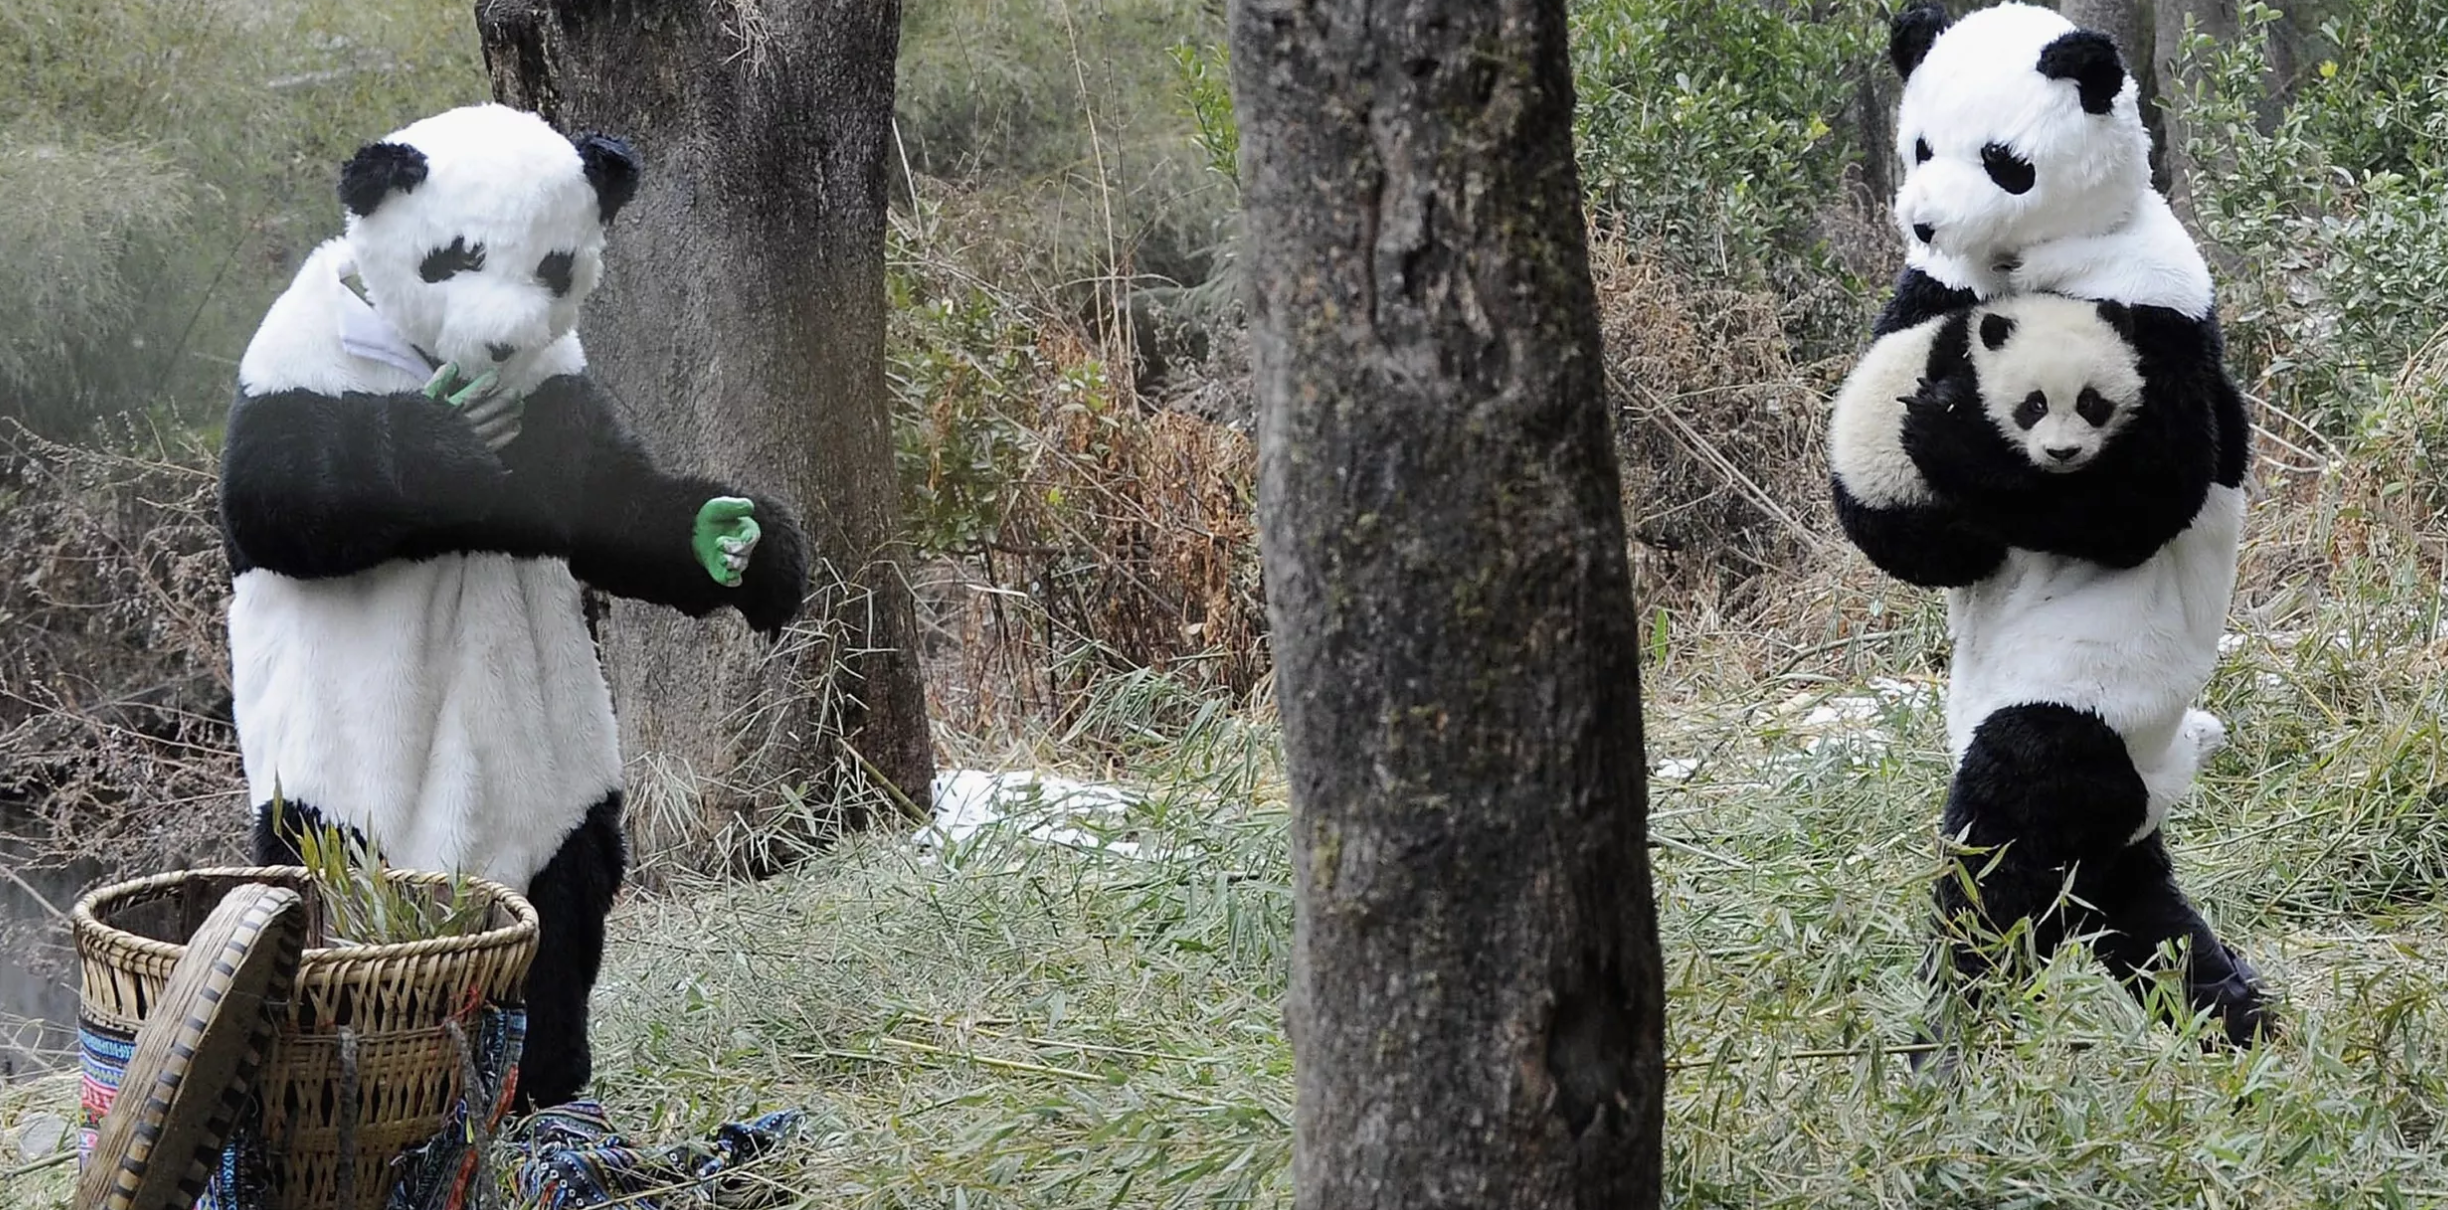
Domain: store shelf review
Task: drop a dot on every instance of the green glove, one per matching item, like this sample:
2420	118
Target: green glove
724	536
495	415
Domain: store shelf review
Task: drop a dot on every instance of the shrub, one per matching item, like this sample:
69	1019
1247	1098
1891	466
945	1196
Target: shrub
2330	218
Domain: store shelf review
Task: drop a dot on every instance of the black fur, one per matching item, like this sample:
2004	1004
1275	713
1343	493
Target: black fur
1910	34
376	170
1928	547
314	487
2119	510
1936	545
612	168
1995	329
1918	297
2045	793
572	895
631	535
2088	58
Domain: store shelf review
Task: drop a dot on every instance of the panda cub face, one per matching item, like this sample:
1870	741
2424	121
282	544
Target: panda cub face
2058	376
2015	128
479	232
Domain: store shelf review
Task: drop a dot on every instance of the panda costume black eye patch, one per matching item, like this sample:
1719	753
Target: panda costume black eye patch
554	271
2012	172
443	264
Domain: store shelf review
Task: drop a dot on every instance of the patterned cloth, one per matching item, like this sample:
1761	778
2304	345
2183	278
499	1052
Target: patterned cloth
569	1158
437	1174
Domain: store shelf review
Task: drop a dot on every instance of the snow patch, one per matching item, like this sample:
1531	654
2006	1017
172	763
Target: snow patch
1036	806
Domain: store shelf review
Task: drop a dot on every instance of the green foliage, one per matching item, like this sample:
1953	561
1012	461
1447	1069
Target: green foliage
1712	128
1060	117
364	903
1206	95
963	363
2330	209
170	164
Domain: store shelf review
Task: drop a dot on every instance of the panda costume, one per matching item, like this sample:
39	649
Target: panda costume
2044	427
415	485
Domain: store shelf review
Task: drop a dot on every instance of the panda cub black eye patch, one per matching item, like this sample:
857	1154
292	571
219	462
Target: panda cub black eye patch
443	264
2029	412
2012	172
2093	407
554	272
1921	151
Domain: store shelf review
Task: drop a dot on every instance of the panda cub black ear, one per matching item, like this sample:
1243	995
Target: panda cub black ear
1995	328
376	170
612	168
2119	316
1910	33
2088	58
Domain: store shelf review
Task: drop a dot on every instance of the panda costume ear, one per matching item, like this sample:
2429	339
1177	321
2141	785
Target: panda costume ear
2119	316
376	170
1910	33
612	168
2088	58
1995	330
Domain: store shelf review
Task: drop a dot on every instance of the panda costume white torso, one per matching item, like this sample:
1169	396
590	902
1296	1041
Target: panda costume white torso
410	653
2089	566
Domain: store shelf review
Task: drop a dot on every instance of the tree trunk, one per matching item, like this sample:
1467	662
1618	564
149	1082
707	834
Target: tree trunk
742	324
2216	18
1476	1004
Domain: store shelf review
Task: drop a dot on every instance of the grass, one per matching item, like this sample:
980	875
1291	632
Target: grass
1003	1022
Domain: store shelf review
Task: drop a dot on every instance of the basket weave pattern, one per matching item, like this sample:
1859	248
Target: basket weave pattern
392	1000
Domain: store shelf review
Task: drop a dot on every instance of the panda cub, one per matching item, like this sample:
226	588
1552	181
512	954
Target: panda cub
2097	561
416	481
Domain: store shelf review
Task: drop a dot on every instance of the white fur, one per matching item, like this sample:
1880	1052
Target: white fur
452	707
2059	348
2090	227
503	179
2136	646
1866	424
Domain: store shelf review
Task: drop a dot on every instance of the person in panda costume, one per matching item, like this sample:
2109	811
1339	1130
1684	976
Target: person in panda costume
2044	427
415	484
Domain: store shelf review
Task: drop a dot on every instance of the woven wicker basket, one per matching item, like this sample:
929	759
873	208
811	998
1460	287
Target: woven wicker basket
393	1000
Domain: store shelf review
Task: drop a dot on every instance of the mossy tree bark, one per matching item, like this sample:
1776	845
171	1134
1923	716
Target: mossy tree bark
742	324
1476	1006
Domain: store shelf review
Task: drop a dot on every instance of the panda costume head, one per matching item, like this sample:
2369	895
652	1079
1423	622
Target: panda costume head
2026	166
478	234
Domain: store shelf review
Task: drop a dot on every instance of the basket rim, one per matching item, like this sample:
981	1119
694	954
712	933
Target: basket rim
522	928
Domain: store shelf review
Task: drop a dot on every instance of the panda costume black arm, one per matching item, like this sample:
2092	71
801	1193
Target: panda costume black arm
315	486
2153	466
629	522
1884	502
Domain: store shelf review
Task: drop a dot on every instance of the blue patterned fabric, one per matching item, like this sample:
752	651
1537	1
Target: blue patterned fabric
569	1158
436	1174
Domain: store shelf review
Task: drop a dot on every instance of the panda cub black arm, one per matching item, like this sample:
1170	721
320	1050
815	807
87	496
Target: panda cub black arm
631	524
316	486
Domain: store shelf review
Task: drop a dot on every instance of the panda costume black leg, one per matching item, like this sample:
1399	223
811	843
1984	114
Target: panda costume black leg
409	540
2044	805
